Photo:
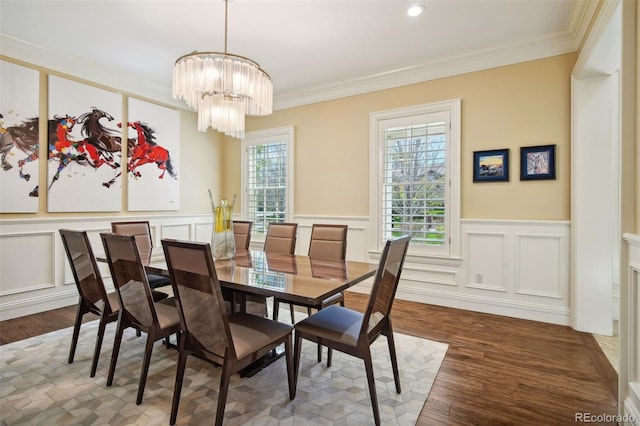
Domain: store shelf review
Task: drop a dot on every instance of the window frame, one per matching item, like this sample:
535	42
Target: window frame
451	248
263	137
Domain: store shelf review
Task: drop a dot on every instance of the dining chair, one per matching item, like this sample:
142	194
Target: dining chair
281	238
232	340
242	234
353	332
328	242
93	294
142	231
137	308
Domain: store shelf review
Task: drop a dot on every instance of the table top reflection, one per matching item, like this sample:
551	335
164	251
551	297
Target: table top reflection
289	277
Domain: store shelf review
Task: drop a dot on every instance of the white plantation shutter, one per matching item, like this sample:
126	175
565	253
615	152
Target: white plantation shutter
416	165
267	177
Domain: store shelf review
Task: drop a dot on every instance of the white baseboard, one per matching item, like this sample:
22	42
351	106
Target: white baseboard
34	305
487	305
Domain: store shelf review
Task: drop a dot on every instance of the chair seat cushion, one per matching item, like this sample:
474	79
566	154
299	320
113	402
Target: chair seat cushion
114	301
335	323
251	333
167	315
156	281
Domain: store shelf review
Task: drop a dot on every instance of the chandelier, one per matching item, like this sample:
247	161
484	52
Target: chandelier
222	88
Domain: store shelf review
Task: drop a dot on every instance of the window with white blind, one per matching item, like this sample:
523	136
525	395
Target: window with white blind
267	177
415	178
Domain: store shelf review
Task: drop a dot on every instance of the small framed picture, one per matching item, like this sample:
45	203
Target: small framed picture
538	162
491	166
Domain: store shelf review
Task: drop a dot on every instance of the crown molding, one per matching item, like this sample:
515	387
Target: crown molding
528	50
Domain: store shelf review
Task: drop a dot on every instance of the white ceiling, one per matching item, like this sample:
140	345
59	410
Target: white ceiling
313	50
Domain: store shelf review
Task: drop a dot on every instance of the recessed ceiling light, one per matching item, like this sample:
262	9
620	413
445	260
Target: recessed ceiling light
415	10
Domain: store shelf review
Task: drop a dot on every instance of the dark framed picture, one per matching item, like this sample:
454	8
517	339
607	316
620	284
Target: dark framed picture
491	166
538	162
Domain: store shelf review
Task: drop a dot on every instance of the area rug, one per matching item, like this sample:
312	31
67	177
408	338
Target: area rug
38	386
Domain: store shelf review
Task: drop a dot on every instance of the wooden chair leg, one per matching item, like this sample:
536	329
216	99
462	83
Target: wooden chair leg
114	353
225	378
146	360
177	389
276	307
368	366
296	359
293	317
394	359
290	373
99	338
76	331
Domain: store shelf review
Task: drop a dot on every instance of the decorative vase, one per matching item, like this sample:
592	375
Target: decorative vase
223	243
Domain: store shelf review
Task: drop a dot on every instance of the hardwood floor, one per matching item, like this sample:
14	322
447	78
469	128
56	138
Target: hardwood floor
498	370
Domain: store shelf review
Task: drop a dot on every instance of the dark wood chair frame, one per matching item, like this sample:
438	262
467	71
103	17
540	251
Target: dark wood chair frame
155	281
124	273
243	223
380	301
190	344
338	298
91	290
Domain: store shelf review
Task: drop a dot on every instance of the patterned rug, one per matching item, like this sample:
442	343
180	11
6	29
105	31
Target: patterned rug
37	386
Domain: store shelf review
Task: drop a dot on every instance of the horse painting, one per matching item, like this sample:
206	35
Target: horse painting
61	148
147	151
98	146
23	137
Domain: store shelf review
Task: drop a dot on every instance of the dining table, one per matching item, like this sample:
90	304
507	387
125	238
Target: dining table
292	278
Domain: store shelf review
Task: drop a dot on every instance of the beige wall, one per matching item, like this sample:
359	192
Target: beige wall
508	107
199	169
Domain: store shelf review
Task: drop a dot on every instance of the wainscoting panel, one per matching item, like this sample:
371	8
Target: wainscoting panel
34	272
487	256
538	272
20	252
522	266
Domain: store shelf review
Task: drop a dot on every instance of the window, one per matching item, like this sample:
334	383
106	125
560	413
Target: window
415	179
267	177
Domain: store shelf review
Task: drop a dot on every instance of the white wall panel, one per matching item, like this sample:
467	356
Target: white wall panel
487	256
26	262
538	270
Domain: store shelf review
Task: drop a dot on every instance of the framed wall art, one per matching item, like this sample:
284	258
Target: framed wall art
538	162
85	148
491	166
19	138
153	157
